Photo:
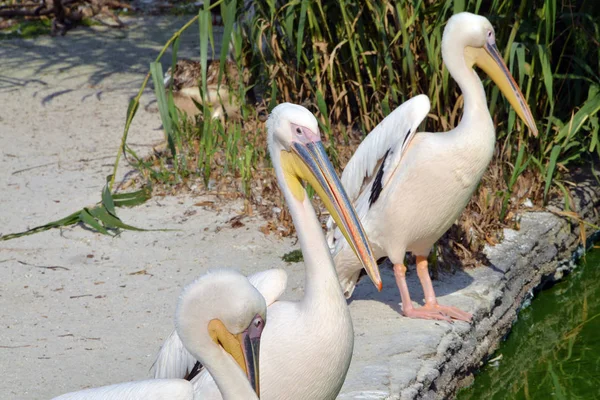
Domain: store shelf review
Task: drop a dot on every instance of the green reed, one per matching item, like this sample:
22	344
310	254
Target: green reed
381	53
352	62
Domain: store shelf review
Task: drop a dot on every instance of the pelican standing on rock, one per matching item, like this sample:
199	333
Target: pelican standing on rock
220	318
307	345
409	189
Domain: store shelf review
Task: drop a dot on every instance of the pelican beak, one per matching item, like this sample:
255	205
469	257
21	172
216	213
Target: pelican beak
488	58
243	347
308	161
250	344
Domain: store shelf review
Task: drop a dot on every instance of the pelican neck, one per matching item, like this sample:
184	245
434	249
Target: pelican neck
320	279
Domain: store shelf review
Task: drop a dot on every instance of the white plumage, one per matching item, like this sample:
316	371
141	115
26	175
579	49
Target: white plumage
175	361
157	389
307	345
394	132
225	296
408	188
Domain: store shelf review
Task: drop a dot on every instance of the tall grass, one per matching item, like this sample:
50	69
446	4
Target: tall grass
352	62
212	147
380	53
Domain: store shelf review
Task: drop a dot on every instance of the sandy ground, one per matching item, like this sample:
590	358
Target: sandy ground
79	309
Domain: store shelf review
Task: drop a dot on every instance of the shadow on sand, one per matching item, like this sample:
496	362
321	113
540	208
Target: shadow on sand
446	283
451	277
90	56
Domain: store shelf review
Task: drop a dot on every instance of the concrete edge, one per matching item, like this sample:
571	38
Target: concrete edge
544	250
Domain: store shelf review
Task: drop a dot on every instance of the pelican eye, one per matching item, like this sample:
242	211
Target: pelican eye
256	327
490	37
299	131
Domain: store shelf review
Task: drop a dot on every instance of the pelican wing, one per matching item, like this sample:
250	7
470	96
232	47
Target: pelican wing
173	359
375	160
156	389
394	133
271	283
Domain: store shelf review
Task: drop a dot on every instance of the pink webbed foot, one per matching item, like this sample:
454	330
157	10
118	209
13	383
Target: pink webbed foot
436	311
431	309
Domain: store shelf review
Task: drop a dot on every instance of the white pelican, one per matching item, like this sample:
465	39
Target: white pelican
409	189
307	345
174	361
220	317
186	92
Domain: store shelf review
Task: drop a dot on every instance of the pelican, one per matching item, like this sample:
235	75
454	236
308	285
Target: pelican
409	189
220	318
307	346
185	79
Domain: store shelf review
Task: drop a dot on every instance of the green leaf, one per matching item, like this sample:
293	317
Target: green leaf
459	6
551	167
63	222
98	218
549	18
174	57
288	21
589	108
171	104
111	221
88	219
204	24
132	109
519	167
300	34
131	199
107	200
322	105
546	72
385	105
163	106
274	93
310	191
565	193
228	14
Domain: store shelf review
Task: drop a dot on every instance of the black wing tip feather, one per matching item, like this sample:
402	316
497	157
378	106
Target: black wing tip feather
195	371
406	138
377	183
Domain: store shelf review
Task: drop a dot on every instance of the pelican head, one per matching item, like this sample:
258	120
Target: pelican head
476	35
294	138
222	312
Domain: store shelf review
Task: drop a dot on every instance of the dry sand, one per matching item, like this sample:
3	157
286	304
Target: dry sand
79	309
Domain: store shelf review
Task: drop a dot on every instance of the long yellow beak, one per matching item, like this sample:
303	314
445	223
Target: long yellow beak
310	163
250	344
488	58
243	347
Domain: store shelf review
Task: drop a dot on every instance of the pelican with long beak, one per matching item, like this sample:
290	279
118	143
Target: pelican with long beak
220	318
408	188
307	345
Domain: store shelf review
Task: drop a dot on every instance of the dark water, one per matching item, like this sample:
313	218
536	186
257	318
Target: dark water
553	351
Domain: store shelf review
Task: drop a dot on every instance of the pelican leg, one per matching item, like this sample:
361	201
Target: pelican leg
407	308
431	303
431	309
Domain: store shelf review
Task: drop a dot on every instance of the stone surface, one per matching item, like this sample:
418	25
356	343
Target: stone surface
99	314
541	251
